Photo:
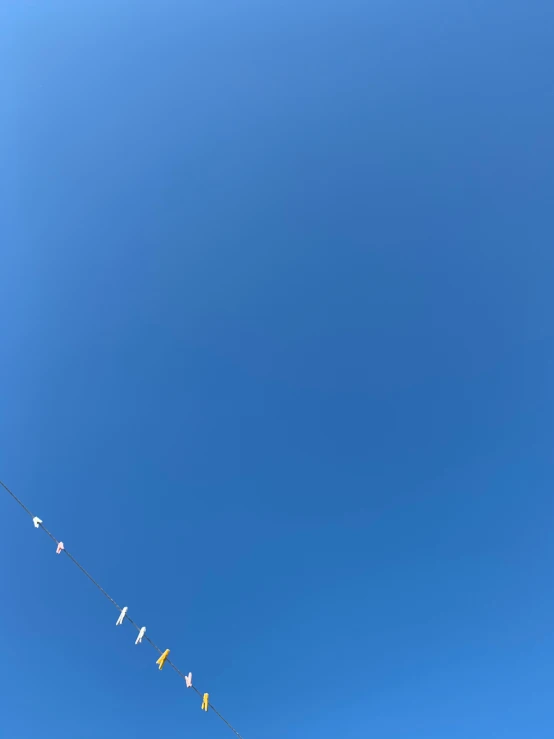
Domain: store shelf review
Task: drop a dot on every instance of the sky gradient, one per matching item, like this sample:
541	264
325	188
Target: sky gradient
277	355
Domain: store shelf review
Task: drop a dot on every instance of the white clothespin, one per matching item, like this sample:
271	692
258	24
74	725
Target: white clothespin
188	680
122	616
142	632
37	521
60	548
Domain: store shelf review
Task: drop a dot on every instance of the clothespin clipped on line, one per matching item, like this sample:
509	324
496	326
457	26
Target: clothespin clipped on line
122	616
161	661
37	521
188	680
205	701
60	547
142	632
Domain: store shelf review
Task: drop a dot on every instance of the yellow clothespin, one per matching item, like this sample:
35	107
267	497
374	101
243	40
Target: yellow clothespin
205	701
162	659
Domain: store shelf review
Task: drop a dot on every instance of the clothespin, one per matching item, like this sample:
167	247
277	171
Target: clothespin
60	547
37	521
122	616
205	701
142	632
162	659
188	680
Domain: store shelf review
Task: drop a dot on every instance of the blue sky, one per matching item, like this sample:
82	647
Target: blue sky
277	358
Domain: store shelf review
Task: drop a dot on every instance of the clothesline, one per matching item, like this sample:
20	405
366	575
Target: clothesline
124	616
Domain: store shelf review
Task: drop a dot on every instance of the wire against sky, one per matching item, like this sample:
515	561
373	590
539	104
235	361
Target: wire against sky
101	589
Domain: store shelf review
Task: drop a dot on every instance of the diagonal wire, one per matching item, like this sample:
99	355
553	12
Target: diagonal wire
101	589
14	496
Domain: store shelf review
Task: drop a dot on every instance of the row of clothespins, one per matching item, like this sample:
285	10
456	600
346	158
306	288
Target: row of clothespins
161	661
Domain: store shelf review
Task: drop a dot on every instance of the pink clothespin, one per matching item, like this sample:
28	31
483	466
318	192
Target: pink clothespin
60	547
188	680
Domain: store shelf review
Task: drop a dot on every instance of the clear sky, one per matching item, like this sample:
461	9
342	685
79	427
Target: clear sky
276	314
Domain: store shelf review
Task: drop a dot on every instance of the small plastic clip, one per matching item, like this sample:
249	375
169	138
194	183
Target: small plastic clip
188	680
122	616
162	659
142	632
37	521
205	701
60	547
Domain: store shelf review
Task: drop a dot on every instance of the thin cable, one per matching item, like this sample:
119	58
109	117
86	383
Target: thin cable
14	496
71	557
210	705
127	618
93	581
